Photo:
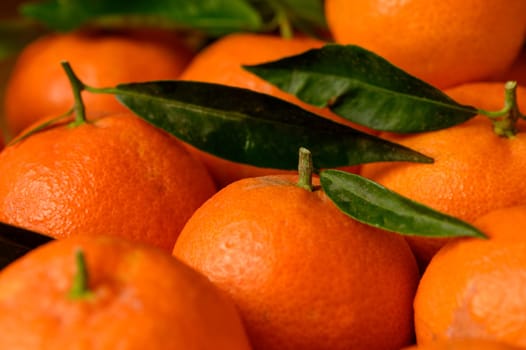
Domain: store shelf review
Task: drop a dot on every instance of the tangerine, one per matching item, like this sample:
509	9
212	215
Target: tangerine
38	87
474	288
116	175
303	274
132	296
444	42
475	170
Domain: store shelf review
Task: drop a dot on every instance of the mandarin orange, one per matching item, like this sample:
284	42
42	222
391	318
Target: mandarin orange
116	175
38	87
474	288
444	42
135	297
474	171
303	274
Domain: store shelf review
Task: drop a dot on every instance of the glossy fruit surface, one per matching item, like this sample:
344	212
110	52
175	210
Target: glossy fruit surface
444	42
138	297
116	175
303	274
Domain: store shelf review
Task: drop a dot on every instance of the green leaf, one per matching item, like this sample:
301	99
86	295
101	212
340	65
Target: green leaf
375	205
212	16
365	88
253	128
16	241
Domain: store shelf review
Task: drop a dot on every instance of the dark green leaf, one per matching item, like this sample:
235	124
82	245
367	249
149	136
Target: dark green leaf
253	128
365	88
213	16
375	205
16	241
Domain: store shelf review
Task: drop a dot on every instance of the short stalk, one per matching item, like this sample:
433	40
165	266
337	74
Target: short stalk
282	20
505	120
79	288
305	169
77	87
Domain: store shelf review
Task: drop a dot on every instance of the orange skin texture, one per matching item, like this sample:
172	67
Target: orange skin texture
463	344
475	288
117	175
444	42
39	87
221	62
303	274
142	298
475	170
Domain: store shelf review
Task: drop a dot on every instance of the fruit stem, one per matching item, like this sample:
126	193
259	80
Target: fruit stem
79	288
39	127
281	19
505	120
77	87
305	169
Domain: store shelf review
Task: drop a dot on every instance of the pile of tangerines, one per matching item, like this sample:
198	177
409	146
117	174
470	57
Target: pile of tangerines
160	245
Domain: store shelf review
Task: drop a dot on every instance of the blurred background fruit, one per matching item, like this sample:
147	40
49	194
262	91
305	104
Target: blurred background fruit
444	42
37	86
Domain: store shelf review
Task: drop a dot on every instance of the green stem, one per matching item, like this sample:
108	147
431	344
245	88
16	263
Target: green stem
305	169
40	127
77	87
282	19
79	289
505	120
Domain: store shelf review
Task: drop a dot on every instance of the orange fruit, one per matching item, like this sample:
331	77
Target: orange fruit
474	171
38	86
303	274
116	175
474	288
444	42
221	62
463	344
138	297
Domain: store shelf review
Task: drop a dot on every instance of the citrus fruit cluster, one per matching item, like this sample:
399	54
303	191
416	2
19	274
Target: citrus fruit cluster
160	244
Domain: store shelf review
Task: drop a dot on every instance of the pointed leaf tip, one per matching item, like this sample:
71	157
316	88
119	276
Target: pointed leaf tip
373	204
254	128
363	87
